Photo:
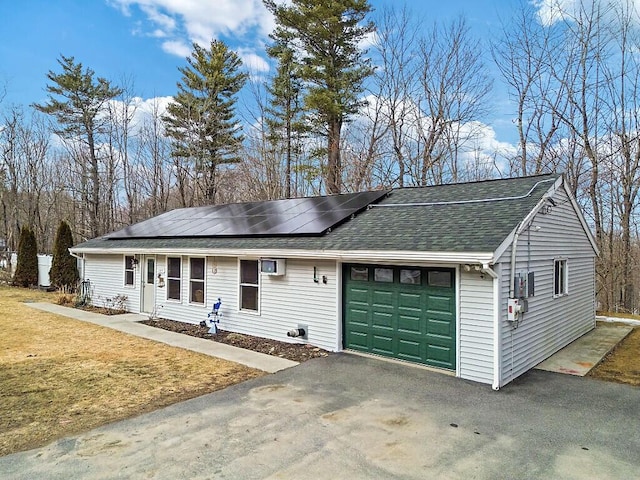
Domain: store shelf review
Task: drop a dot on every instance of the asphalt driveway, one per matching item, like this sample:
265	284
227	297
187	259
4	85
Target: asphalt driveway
351	417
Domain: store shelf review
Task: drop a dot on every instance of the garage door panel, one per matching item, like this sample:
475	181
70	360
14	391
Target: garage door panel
439	327
359	295
439	354
411	321
358	317
438	303
382	344
413	300
410	350
359	340
382	320
410	324
382	298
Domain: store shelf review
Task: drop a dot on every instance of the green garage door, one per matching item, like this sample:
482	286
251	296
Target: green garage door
401	312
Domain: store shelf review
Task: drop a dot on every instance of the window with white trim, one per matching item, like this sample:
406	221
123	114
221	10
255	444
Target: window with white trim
196	280
249	285
560	277
174	278
129	273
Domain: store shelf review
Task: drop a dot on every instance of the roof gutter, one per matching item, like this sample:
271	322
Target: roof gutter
342	255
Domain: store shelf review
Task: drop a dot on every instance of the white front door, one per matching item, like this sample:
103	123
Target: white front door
148	285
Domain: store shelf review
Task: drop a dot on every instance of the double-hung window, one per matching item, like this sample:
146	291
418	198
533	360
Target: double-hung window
196	280
174	278
560	277
128	270
249	285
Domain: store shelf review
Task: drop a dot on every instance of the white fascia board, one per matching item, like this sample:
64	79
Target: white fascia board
506	243
583	222
350	256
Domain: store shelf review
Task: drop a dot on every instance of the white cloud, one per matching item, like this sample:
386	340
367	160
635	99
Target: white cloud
252	61
145	107
552	11
177	47
200	21
369	40
158	33
164	21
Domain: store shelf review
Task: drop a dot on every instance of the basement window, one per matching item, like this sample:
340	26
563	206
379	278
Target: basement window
560	278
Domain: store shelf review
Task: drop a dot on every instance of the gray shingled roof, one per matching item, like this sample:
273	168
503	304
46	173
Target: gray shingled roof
396	223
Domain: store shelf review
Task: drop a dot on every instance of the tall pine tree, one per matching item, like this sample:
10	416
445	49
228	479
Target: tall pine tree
76	101
64	268
326	36
201	119
285	114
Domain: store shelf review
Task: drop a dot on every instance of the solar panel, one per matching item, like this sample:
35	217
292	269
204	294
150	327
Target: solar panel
290	217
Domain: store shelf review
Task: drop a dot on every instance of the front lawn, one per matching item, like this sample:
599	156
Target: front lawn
622	364
60	376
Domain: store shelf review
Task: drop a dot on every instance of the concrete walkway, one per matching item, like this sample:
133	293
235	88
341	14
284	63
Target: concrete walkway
128	323
582	355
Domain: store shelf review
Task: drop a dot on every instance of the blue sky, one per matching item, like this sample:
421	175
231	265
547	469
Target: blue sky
147	40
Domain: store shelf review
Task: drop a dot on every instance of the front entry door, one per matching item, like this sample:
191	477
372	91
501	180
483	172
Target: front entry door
148	285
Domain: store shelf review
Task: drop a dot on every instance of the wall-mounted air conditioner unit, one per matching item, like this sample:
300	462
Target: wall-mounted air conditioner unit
272	266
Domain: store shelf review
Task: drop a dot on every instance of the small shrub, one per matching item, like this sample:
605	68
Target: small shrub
66	299
5	276
115	304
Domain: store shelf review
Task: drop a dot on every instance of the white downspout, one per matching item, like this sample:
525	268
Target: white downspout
486	268
79	258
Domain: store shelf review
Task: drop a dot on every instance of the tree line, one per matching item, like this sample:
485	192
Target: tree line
410	109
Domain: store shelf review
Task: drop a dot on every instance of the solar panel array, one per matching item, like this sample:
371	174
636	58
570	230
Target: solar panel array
290	217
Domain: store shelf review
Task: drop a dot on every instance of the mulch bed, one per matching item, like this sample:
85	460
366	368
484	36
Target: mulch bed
292	351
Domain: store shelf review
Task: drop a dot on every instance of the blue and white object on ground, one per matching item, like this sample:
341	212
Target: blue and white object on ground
213	318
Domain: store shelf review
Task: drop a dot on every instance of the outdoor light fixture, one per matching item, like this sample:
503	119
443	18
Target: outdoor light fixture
160	281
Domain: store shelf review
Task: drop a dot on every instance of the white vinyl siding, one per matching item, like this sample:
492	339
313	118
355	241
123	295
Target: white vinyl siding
476	326
551	322
105	274
285	301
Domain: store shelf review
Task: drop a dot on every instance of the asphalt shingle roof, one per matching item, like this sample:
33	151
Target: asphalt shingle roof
463	217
